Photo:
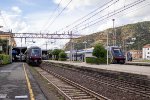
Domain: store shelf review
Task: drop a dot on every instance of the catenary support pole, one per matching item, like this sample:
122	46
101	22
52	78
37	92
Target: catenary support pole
107	48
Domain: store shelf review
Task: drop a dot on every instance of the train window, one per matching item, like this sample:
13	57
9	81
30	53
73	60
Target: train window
117	51
35	52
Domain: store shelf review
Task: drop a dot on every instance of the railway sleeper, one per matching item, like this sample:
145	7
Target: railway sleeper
78	92
68	91
67	87
81	97
89	99
61	85
75	95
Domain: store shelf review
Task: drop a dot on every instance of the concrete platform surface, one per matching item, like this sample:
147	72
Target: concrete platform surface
139	63
142	70
13	84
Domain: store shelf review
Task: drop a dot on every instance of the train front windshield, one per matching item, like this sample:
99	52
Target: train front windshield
117	52
36	52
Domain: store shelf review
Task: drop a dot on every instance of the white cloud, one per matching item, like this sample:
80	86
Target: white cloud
35	21
31	23
26	2
139	11
78	4
16	9
136	14
12	20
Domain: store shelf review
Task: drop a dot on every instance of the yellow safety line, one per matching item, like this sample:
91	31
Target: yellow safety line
28	84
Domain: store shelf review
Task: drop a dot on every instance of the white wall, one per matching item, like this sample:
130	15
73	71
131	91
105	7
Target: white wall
146	53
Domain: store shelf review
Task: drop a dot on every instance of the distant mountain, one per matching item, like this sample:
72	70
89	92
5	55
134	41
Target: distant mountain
131	36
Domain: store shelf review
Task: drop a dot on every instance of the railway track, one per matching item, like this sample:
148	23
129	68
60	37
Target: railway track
122	85
69	89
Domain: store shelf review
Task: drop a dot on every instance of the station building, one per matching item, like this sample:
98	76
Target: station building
146	52
136	54
7	36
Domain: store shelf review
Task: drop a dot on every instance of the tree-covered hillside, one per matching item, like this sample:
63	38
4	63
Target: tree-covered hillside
131	36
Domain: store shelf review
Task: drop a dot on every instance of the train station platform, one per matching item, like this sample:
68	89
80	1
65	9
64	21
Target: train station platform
139	63
16	83
142	70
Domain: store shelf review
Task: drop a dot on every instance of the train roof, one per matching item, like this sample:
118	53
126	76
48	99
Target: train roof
19	47
34	47
81	51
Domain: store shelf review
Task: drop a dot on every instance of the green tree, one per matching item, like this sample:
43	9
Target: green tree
99	51
62	56
50	54
56	52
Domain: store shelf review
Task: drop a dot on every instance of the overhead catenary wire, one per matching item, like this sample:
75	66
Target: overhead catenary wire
135	10
111	14
93	11
104	16
95	14
52	14
51	23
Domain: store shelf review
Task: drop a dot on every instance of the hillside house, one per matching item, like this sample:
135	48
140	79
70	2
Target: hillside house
146	52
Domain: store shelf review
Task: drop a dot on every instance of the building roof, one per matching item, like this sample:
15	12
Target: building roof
19	47
146	46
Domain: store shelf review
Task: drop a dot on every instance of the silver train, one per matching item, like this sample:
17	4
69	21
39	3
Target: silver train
115	54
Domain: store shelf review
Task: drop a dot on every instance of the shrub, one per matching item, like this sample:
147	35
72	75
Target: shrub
1	58
93	60
56	53
62	56
62	59
5	59
99	51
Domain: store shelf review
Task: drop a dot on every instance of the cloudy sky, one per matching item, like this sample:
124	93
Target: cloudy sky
37	16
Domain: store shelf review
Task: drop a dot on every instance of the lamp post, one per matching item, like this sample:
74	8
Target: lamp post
10	50
71	47
114	36
107	47
73	51
85	51
46	45
0	43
